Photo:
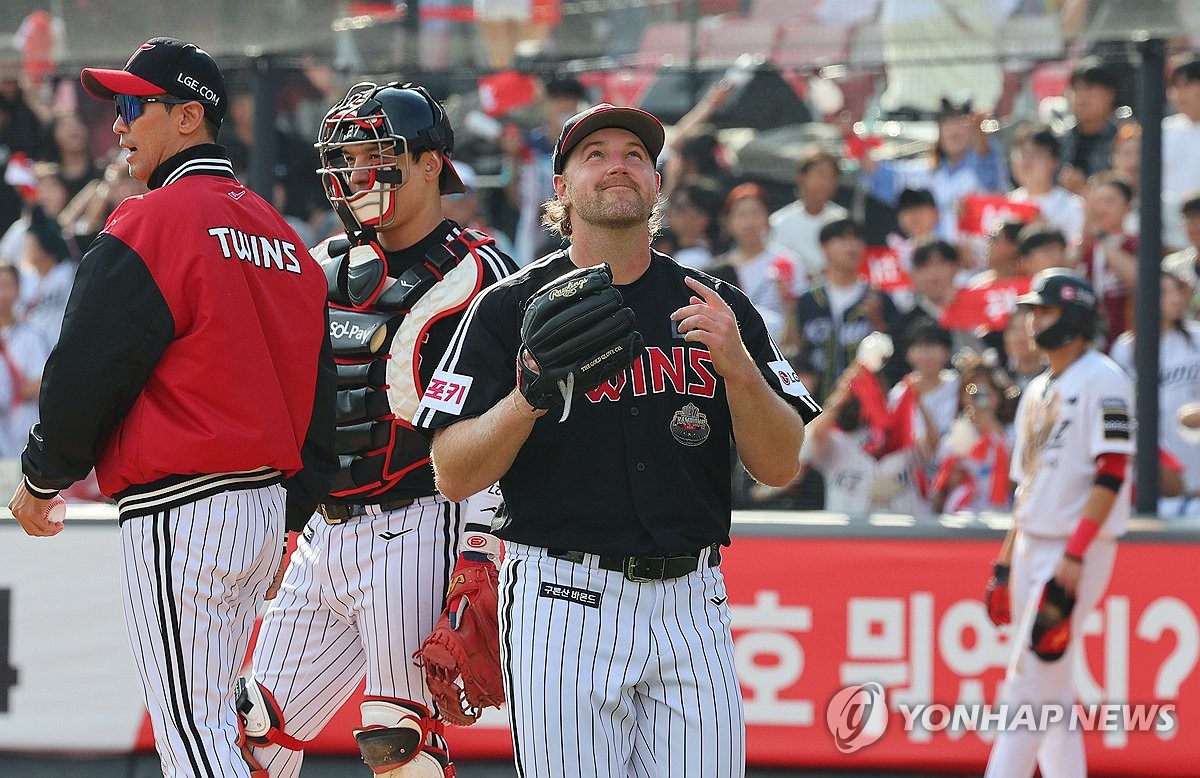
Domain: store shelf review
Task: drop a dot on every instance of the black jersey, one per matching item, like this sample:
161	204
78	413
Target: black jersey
641	466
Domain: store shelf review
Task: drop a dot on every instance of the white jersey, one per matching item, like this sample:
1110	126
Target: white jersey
1059	206
1063	423
856	483
1178	384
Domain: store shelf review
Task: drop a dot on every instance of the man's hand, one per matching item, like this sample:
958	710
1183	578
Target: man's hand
34	514
1073	179
273	589
1067	573
708	319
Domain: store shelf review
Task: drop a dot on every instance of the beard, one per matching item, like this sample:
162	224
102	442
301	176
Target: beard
612	208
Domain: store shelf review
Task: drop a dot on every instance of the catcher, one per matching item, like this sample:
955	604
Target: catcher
373	568
605	385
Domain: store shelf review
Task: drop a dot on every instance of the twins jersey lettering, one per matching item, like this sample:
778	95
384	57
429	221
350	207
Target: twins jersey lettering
1063	423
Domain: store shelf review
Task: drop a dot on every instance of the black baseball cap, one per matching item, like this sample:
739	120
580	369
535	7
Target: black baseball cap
645	126
164	66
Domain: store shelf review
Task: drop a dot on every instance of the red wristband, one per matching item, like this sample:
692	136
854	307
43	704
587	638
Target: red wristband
1085	530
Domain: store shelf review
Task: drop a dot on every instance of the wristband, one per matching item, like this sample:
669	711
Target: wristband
483	543
1085	531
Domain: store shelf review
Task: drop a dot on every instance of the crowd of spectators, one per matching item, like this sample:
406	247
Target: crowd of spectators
927	430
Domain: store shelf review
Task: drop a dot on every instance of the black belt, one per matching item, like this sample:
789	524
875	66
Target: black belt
642	569
340	513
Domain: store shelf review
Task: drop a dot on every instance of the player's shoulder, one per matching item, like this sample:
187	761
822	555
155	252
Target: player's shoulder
1099	372
669	268
518	286
483	247
334	246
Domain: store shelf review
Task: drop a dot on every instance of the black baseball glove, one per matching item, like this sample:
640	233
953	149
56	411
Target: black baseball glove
576	334
1052	625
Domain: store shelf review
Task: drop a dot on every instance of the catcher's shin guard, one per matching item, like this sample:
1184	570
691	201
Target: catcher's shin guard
260	718
395	740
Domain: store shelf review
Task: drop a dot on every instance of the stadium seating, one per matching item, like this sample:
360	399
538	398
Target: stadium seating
731	36
664	43
806	45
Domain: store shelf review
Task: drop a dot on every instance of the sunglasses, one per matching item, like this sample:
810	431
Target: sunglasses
129	107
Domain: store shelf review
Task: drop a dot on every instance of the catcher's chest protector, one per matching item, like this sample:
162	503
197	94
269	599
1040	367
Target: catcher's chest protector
377	325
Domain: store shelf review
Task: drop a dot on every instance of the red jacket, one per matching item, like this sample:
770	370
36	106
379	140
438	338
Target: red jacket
189	355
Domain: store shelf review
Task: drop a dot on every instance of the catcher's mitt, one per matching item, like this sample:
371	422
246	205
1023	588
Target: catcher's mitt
997	596
461	657
1052	625
576	333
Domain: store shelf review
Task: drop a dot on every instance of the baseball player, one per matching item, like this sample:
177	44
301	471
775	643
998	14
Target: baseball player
193	371
371	570
615	640
1073	443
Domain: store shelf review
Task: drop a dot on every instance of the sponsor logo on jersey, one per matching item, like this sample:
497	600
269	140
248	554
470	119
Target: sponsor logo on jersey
344	330
689	426
789	381
259	250
570	594
446	392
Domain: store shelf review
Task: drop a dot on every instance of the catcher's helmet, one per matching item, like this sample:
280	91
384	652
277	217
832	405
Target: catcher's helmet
404	120
1071	294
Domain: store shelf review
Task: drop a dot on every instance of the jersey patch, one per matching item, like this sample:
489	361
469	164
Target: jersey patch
446	392
689	426
570	594
1116	418
788	378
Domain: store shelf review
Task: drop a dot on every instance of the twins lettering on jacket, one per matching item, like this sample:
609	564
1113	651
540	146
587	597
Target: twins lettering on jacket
682	371
262	251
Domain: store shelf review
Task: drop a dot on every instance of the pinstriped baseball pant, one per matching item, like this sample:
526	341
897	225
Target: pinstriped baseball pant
358	597
641	684
193	581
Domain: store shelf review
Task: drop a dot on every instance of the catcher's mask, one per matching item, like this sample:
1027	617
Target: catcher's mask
402	121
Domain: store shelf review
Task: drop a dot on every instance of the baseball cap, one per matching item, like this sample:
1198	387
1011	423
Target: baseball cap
648	129
164	66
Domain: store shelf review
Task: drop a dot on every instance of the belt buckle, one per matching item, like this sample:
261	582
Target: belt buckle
631	564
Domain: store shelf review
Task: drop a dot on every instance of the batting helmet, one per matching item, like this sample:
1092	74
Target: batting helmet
1070	293
405	121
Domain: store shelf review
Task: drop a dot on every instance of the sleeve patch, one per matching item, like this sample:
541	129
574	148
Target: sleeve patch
446	392
1115	415
788	380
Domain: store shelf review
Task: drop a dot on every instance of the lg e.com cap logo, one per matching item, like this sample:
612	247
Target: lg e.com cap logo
857	716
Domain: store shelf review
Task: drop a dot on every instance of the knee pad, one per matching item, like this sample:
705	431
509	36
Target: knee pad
394	740
260	717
